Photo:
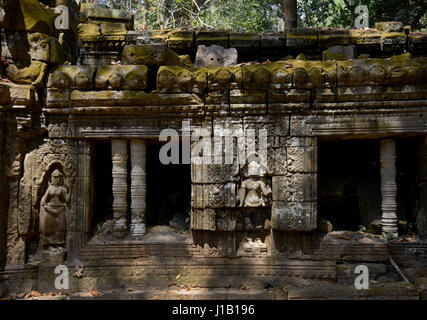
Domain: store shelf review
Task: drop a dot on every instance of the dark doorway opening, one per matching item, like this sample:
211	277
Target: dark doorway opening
168	189
102	183
407	178
349	183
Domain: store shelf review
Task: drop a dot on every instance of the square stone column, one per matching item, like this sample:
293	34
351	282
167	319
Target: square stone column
138	151
388	186
119	152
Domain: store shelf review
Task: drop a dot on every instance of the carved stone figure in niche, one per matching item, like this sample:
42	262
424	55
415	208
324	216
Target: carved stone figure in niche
53	207
254	192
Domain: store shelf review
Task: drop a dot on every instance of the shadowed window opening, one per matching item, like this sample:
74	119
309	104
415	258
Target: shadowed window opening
102	183
349	180
407	164
168	189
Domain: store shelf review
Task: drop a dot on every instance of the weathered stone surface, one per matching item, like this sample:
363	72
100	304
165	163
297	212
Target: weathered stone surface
214	195
89	31
122	77
107	14
72	77
302	159
325	226
294	216
208	38
181	39
151	37
295	187
391	26
33	74
23	46
274	40
376	71
339	53
181	80
245	40
113	29
203	219
298	38
45	48
135	98
58	98
225	78
333	37
21	94
29	15
215	56
151	56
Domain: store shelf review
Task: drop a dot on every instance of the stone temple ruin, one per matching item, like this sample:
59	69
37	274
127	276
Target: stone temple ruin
81	183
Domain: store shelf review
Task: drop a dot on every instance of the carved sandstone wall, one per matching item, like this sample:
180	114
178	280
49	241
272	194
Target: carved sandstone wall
125	87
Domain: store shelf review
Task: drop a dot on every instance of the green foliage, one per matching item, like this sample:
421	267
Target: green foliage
266	15
362	228
389	235
340	13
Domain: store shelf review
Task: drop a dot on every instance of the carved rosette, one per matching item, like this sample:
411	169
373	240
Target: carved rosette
138	187
119	153
388	186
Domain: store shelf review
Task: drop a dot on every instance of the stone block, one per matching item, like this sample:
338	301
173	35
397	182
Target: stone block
339	53
365	38
151	56
274	40
122	77
214	195
301	38
113	29
277	75
302	159
204	219
58	98
308	74
151	37
208	38
245	40
45	48
181	39
182	80
72	77
299	126
294	216
225	78
33	74
295	187
390	26
333	37
28	15
89	31
107	14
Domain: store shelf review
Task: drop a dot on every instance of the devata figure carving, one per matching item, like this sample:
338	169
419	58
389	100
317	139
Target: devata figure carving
254	192
53	207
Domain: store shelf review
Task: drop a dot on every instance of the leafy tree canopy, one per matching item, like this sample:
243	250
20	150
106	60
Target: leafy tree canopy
266	15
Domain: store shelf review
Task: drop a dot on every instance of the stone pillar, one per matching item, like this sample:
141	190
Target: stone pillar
138	151
388	186
119	152
422	199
